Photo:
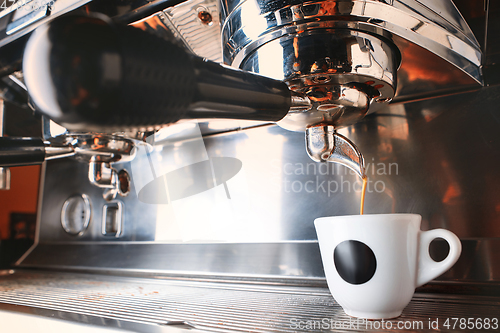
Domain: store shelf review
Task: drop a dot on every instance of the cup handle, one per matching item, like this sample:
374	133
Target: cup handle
429	269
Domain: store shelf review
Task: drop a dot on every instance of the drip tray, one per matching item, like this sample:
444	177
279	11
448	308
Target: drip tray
146	303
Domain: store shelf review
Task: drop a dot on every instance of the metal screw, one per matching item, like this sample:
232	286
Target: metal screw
205	17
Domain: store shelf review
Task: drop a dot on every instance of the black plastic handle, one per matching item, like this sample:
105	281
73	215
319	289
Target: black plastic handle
87	73
21	151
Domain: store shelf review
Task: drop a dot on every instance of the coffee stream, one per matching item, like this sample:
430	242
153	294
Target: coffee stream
363	192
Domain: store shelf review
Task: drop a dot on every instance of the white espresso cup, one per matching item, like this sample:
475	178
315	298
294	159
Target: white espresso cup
373	263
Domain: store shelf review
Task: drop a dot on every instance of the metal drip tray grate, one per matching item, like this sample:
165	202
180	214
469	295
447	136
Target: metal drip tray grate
219	306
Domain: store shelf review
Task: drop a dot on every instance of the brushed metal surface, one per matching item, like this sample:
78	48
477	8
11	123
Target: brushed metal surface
19	318
68	180
292	262
203	39
57	9
436	158
213	306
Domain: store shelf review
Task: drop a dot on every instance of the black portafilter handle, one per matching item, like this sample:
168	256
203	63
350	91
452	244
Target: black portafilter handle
21	151
88	73
29	151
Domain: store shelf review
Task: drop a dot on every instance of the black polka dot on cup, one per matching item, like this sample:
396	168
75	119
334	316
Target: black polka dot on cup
355	261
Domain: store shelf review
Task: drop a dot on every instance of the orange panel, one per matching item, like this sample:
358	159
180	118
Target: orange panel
22	196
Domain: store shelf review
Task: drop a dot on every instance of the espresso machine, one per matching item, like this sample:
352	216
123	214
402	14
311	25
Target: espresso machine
187	147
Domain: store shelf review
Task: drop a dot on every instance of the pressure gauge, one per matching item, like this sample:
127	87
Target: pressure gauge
75	214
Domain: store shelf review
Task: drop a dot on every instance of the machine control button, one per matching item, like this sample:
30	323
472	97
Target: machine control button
75	214
112	219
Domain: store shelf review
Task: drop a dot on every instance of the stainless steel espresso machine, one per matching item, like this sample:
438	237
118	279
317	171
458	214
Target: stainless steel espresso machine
188	146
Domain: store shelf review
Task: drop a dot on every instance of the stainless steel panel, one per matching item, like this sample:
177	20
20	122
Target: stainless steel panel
270	261
448	10
57	8
293	262
435	157
27	20
69	178
29	319
185	22
217	307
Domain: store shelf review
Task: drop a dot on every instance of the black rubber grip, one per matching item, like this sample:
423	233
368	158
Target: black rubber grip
159	81
21	151
99	76
116	76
